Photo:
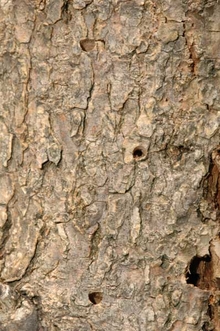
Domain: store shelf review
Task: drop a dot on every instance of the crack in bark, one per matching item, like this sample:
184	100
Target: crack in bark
95	241
65	11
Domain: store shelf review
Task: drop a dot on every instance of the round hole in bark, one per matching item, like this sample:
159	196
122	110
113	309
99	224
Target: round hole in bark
138	153
87	44
95	297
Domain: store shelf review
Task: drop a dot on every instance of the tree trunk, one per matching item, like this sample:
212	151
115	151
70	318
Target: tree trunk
109	165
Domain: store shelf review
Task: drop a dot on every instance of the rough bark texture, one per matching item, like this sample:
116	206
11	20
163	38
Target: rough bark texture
109	165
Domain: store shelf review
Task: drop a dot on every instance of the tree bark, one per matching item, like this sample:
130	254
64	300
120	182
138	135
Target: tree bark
109	165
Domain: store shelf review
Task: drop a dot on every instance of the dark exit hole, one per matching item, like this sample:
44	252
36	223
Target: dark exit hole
95	297
138	153
192	274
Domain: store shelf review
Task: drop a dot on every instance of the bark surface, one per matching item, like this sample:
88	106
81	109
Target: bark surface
109	165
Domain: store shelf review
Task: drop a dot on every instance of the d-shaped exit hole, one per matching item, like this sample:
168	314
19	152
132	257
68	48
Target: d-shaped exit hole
87	45
95	297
